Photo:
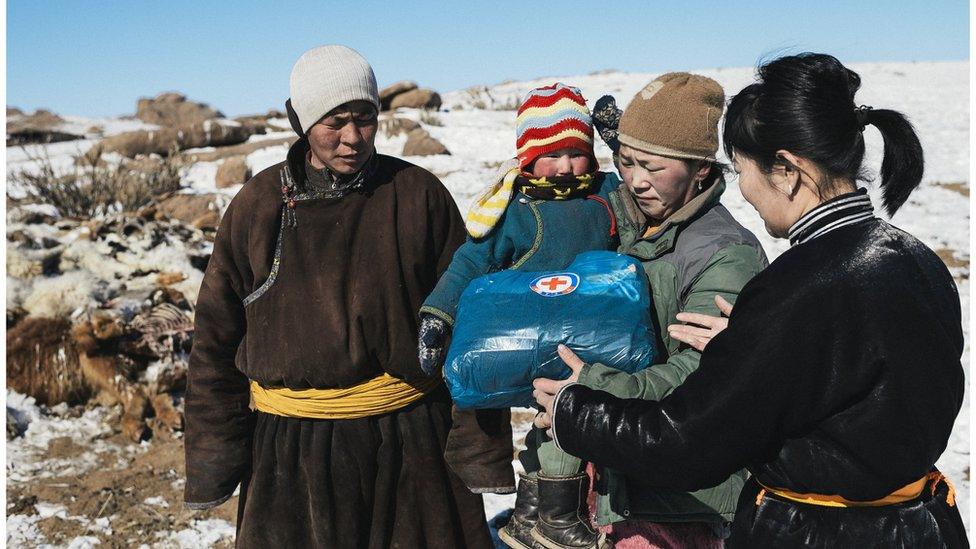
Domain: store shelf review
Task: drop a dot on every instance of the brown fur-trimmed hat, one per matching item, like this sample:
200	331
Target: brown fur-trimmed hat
675	115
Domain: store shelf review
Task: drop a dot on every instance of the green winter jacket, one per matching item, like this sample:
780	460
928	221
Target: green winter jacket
699	251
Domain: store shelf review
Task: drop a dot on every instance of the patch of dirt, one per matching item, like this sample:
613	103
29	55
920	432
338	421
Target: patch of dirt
23	504
958	187
948	256
116	490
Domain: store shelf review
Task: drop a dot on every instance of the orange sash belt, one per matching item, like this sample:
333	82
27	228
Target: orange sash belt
906	493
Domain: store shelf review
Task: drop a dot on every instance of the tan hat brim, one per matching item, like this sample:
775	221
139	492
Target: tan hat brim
661	151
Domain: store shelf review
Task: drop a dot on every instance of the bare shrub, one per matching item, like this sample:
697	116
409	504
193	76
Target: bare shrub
96	187
511	104
480	97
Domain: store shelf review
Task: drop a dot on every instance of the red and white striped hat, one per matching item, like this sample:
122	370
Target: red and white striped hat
552	118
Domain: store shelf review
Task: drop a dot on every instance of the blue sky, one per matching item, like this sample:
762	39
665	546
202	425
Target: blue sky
95	58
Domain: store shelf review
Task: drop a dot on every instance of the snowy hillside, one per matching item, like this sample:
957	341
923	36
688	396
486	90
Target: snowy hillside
69	446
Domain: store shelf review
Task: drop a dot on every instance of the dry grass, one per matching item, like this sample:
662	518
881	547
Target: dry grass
481	99
96	187
494	164
512	104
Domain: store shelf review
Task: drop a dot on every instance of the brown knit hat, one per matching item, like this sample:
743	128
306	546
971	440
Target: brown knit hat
675	115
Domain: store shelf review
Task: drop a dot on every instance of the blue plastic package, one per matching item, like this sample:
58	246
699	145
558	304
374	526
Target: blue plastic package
509	324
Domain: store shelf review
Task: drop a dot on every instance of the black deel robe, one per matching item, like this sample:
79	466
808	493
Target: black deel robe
839	373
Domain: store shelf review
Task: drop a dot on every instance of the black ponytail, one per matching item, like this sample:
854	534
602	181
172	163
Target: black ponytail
903	164
805	104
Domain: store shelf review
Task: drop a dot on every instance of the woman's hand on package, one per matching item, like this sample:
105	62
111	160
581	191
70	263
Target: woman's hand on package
546	389
700	329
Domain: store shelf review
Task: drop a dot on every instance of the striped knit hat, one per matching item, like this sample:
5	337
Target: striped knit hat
552	118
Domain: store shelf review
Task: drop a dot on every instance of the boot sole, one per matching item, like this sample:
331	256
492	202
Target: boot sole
511	541
601	542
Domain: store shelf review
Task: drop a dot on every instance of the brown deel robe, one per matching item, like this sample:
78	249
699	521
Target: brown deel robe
329	303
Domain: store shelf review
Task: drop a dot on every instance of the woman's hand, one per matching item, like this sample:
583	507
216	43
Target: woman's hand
546	389
707	326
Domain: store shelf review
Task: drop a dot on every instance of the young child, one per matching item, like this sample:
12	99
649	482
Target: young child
543	213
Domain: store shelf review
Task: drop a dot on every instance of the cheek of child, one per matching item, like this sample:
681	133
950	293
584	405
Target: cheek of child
561	163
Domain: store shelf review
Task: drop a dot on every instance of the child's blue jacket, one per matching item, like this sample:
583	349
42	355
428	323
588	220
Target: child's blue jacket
532	235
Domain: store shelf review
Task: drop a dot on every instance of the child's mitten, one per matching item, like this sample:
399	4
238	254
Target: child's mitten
432	342
606	118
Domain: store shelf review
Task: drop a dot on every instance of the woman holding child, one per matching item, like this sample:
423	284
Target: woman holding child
670	218
667	213
837	377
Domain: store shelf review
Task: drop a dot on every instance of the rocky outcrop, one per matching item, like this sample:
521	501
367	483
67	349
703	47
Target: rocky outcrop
173	109
131	144
420	143
32	136
388	93
420	98
406	94
41	118
259	124
254	124
209	133
233	171
241	149
38	128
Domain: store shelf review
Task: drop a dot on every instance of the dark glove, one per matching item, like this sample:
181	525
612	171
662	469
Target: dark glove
606	118
431	342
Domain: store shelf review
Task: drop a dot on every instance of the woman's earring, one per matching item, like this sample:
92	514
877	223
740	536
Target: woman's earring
701	185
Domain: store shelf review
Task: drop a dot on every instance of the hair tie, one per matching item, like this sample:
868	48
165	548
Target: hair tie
862	115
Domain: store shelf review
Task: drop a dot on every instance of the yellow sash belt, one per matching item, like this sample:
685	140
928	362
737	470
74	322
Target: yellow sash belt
381	395
901	495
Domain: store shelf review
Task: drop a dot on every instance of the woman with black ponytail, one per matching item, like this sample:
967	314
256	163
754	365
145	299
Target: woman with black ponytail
837	378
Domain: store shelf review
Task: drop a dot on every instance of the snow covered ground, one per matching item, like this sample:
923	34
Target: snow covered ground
934	95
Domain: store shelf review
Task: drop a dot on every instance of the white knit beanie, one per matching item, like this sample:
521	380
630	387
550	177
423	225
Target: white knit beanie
328	76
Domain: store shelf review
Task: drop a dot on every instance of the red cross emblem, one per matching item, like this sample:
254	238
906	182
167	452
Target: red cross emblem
555	285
